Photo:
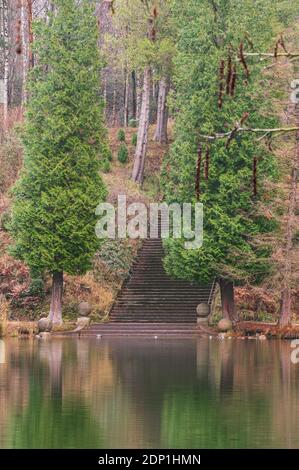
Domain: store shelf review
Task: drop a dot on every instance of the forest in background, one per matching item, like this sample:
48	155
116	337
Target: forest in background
196	100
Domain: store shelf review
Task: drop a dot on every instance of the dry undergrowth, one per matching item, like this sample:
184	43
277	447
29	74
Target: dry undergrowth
4	312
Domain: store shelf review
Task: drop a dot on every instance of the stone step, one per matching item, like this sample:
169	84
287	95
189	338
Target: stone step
145	329
137	299
148	322
155	281
139	307
109	325
153	318
167	298
132	309
148	335
139	290
164	306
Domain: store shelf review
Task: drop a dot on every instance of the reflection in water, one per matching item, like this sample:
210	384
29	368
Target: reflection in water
131	393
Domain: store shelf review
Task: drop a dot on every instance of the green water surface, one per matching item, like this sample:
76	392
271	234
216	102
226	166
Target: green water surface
147	393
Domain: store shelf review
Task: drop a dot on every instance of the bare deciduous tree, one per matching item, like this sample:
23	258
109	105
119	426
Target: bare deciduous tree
142	138
4	37
285	307
162	113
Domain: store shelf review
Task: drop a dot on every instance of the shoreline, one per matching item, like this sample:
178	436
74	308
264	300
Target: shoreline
241	330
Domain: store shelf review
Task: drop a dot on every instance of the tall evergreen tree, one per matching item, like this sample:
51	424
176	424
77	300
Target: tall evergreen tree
215	89
64	143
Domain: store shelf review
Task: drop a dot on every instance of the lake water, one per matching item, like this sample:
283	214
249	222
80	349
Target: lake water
133	393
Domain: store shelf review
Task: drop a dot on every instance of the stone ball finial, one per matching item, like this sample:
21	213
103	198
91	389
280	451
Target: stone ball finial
44	325
84	309
225	325
203	310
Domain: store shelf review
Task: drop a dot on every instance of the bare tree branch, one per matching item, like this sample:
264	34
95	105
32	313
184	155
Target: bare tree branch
239	129
266	55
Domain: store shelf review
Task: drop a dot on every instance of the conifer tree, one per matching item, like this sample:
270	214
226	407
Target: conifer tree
216	89
64	144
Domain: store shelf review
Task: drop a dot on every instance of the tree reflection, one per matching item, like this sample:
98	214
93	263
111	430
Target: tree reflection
145	393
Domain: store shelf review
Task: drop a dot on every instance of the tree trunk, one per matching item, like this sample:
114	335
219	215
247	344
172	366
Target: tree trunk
134	96
227	299
285	304
4	7
138	95
162	113
154	103
30	33
114	108
56	298
24	53
140	154
105	91
105	97
126	99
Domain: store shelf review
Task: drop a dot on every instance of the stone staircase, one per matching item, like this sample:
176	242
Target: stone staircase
150	296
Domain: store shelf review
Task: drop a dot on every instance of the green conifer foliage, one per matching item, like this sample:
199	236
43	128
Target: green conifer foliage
123	154
134	140
65	140
208	33
121	136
